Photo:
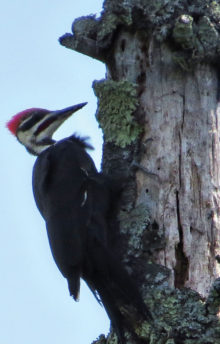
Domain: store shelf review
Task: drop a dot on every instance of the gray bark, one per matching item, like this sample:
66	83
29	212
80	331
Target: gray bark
182	150
170	225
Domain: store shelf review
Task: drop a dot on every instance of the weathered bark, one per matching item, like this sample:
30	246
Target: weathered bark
164	54
182	150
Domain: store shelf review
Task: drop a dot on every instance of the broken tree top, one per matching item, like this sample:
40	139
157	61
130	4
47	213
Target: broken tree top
193	29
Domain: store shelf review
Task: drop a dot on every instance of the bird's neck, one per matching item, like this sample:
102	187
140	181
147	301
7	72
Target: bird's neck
36	148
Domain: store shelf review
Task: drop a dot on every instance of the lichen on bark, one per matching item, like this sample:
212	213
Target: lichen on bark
117	102
138	220
183	317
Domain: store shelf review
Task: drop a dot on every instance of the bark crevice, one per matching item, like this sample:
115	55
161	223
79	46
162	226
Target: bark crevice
181	269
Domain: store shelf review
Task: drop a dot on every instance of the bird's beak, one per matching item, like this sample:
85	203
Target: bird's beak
67	112
54	119
59	116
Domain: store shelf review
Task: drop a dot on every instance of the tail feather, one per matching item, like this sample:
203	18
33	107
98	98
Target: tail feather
74	283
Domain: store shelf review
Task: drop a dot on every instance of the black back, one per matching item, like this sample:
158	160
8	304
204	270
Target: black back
77	202
74	200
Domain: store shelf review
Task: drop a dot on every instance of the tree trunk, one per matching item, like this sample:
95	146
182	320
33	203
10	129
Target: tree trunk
166	144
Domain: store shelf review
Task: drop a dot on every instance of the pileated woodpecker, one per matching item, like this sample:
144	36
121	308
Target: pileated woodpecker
76	203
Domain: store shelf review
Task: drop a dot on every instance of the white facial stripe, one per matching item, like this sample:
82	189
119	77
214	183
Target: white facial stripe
27	119
26	140
48	132
32	141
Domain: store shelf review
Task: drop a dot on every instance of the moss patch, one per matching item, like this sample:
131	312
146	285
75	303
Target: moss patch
117	103
183	31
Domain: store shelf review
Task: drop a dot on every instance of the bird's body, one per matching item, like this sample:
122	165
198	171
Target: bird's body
76	202
66	185
59	186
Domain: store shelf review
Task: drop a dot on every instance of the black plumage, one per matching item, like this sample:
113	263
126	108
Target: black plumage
76	202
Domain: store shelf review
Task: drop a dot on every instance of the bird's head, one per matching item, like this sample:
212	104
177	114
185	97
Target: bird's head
35	127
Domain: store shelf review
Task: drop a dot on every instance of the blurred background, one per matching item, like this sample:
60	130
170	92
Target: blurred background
36	71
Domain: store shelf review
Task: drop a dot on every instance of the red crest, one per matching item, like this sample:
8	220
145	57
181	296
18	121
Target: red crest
14	123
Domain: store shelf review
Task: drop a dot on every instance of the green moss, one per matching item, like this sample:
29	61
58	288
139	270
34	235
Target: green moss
207	34
135	221
138	217
213	301
183	31
144	330
215	10
107	26
115	13
178	315
100	340
86	24
117	103
198	40
174	310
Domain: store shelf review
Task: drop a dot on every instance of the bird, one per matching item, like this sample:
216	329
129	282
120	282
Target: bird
77	203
